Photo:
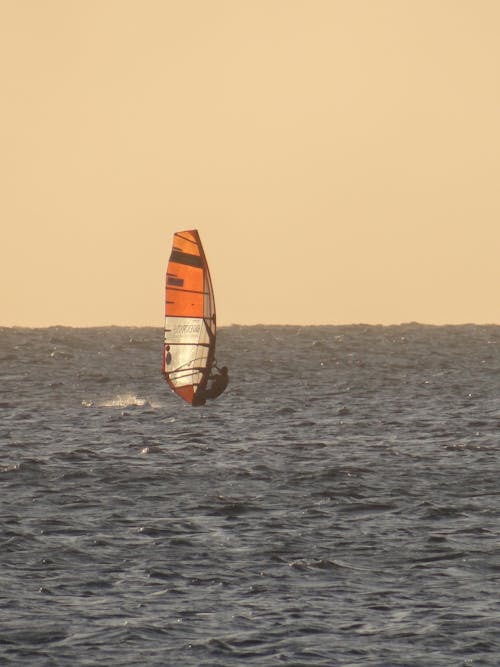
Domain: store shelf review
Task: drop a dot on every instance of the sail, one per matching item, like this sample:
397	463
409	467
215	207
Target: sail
190	330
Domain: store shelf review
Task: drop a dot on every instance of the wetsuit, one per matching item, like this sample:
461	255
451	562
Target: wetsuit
219	384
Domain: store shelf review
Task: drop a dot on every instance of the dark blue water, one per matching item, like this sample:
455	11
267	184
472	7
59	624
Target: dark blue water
339	505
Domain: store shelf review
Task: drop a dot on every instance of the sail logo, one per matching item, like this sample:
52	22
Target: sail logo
184	330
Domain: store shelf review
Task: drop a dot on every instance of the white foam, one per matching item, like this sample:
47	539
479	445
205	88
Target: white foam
122	401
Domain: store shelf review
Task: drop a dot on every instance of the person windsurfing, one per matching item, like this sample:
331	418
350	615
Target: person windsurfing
219	382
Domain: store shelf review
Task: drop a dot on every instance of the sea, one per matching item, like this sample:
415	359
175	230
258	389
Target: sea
339	505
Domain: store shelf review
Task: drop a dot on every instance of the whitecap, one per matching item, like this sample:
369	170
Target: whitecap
127	401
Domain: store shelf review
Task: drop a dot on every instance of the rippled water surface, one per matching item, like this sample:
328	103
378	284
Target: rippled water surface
339	505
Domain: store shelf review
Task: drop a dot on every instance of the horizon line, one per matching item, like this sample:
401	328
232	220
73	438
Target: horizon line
255	324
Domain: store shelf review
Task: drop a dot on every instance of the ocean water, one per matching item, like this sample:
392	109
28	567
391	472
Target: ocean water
338	505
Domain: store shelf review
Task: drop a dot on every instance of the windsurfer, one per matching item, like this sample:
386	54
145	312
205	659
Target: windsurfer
219	382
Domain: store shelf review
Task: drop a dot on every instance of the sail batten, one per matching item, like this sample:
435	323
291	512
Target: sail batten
190	322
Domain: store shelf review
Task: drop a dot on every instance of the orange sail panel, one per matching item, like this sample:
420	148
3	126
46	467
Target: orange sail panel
190	330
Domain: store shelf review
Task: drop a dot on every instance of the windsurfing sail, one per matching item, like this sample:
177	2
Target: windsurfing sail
190	329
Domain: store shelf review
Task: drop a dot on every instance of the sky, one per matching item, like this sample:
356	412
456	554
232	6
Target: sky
340	158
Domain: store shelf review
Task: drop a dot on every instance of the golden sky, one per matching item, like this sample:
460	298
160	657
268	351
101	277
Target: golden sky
340	158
